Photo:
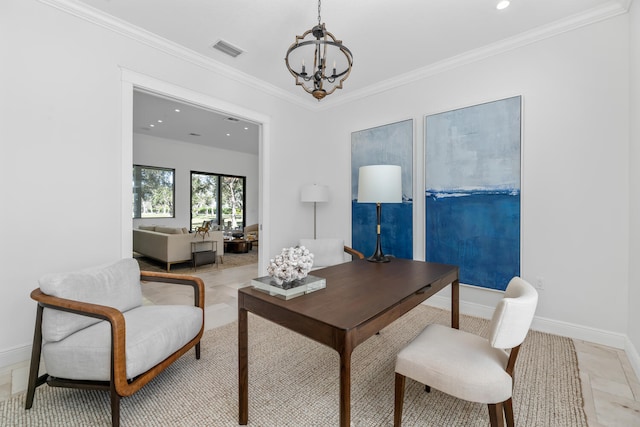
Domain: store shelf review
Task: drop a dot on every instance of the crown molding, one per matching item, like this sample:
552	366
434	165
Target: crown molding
597	14
148	38
611	9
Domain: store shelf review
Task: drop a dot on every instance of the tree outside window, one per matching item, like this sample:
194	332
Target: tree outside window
153	192
217	198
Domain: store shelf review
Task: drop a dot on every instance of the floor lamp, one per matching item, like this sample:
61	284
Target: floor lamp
379	184
314	193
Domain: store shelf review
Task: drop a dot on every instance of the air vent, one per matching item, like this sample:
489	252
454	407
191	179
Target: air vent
228	48
232	119
194	134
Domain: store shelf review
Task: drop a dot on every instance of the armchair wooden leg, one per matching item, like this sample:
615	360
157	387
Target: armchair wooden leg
495	414
508	413
36	349
198	351
399	400
115	407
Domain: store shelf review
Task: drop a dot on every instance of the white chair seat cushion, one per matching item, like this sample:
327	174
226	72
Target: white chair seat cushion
153	333
458	363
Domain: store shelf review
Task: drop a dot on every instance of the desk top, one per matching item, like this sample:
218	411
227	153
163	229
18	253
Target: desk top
359	291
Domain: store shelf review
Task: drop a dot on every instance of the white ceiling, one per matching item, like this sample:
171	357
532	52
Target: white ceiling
389	39
192	124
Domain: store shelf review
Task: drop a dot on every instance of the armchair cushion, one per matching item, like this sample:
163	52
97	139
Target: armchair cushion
153	333
325	252
116	285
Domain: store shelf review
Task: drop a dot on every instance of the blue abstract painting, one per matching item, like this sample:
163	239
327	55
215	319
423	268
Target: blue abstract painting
472	191
390	144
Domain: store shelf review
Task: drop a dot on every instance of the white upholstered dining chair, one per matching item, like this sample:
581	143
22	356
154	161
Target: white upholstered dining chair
468	366
328	251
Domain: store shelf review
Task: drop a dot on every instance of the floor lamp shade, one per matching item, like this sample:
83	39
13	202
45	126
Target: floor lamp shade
314	193
379	184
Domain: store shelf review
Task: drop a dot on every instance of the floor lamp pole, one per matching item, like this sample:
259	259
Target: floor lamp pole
314	220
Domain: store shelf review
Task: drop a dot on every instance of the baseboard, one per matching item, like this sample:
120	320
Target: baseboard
633	356
14	356
542	324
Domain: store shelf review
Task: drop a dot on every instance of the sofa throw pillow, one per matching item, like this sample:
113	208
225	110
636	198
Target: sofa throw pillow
115	285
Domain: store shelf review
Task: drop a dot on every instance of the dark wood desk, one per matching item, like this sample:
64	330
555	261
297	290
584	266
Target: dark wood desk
360	299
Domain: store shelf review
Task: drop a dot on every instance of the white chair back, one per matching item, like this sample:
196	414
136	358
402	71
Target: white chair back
326	252
513	315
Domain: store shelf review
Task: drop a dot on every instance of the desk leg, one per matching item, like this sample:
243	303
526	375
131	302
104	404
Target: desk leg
243	367
455	304
345	387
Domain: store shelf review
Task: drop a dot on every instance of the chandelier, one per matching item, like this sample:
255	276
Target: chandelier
314	51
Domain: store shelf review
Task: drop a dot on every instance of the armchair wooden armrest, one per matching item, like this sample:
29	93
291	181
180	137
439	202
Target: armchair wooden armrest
354	252
178	279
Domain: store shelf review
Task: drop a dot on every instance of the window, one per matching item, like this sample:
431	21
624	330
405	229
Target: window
217	198
153	192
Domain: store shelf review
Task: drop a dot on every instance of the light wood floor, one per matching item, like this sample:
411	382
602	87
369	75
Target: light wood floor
610	388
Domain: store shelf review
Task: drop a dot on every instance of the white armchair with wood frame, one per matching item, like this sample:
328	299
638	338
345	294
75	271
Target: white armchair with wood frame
94	332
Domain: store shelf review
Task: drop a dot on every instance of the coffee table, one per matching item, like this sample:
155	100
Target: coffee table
360	299
237	246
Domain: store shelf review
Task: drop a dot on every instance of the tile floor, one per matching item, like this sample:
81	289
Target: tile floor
610	387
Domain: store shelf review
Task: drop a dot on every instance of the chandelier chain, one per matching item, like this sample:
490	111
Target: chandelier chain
319	19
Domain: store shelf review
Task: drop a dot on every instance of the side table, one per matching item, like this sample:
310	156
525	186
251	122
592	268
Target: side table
203	252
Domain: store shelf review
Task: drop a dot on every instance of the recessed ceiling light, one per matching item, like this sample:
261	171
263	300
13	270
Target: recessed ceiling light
503	4
159	121
177	110
228	134
151	126
246	128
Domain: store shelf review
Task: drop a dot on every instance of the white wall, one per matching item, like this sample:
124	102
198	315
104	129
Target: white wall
634	164
184	158
62	160
575	183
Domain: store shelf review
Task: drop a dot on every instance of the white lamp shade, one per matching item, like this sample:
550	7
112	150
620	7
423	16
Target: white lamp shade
314	193
380	184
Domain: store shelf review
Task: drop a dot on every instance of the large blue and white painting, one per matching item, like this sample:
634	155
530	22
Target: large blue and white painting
390	144
473	191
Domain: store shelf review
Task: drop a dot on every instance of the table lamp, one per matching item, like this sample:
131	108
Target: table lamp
379	184
314	193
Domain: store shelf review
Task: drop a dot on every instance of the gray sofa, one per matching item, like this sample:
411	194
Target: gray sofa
171	245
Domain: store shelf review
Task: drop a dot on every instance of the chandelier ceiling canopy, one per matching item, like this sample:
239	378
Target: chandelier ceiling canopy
310	54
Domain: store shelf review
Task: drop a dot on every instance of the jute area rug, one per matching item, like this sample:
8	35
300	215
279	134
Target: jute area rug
294	381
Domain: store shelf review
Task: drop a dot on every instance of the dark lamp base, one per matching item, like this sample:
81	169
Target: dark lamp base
378	258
